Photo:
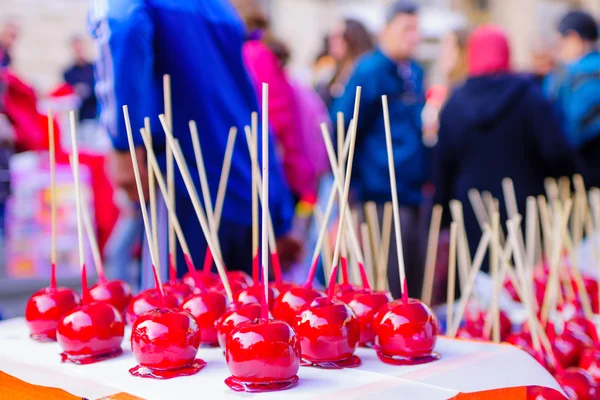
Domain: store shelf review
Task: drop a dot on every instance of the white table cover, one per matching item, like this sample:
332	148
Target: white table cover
464	367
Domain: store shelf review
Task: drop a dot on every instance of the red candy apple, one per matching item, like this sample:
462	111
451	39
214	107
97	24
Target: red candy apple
406	332
241	277
254	294
262	355
291	302
45	308
578	384
345	292
207	308
475	326
590	361
199	279
329	333
91	332
365	306
165	343
234	315
116	293
235	286
178	289
280	288
146	301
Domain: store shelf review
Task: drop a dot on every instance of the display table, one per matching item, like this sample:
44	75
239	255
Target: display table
465	370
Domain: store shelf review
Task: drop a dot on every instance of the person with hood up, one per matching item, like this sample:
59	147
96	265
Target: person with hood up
497	124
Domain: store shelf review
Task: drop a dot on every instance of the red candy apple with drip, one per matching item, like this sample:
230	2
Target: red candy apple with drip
93	331
149	300
164	341
47	306
406	329
590	361
264	354
179	289
329	331
205	306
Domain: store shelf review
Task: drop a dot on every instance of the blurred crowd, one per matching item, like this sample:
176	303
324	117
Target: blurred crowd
482	122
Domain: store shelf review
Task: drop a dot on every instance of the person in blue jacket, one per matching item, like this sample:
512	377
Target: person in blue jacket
199	44
575	88
390	70
498	124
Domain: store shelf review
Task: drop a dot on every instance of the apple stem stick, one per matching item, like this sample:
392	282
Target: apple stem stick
140	190
52	149
189	184
264	240
366	242
471	279
89	229
386	236
451	278
153	205
338	241
351	229
464	253
84	283
510	198
170	174
164	191
372	220
396	207
431	255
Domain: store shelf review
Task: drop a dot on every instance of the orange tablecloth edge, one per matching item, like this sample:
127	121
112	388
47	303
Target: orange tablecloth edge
14	388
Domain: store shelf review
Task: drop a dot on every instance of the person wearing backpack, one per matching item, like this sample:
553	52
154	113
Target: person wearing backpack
575	89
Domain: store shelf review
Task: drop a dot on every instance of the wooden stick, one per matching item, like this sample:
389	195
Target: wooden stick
374	232
386	235
252	141
396	207
264	242
154	167
224	179
479	208
52	146
510	198
471	279
464	253
354	244
338	241
564	188
494	258
189	184
366	242
546	226
325	248
152	200
140	190
431	257
84	285
551	189
257	179
170	171
91	235
451	279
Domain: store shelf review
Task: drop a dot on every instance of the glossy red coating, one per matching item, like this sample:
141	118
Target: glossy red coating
199	279
365	305
542	393
148	300
116	293
328	331
578	384
235	286
290	303
240	276
590	361
476	323
207	308
254	294
346	292
90	333
281	288
192	369
165	339
178	289
569	346
45	308
234	315
582	324
263	353
406	330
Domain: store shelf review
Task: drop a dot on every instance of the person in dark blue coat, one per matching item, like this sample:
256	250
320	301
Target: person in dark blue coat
497	124
390	70
199	43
